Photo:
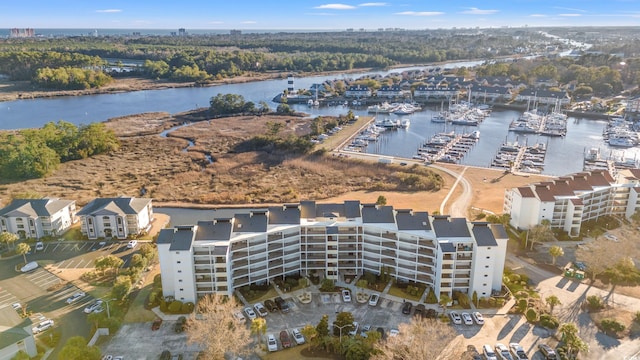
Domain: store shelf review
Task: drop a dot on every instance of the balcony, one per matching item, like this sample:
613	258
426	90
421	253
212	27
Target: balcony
316	240
241	281
204	279
274	246
276	272
315	231
316	264
461	284
238	245
407	266
204	288
427	243
240	272
426	279
239	263
319	256
203	271
346	257
293	251
203	262
388	261
390	235
272	237
463	267
390	253
426	252
201	253
239	255
346	264
275	263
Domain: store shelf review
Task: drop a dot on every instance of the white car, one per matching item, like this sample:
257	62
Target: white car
354	331
131	244
238	317
503	352
272	344
455	318
394	332
346	295
467	318
93	307
250	313
39	246
29	266
297	336
16	306
261	310
518	351
365	330
373	300
479	319
75	297
42	326
611	237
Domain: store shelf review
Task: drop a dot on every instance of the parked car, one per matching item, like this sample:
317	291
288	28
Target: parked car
250	313
39	246
394	332
260	309
42	326
406	308
478	318
518	351
165	355
488	352
365	330
156	324
419	310
381	332
467	318
547	352
297	336
270	305
75	297
239	318
180	325
29	266
611	237
93	307
455	317
346	295
16	306
131	244
354	328
284	339
281	304
503	352
373	299
272	344
432	314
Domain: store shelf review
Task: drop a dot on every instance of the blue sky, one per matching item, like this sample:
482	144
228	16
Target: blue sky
314	15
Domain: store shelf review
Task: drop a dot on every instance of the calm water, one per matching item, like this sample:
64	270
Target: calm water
564	156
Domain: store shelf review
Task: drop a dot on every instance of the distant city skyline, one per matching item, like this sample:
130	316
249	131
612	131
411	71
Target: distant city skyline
315	15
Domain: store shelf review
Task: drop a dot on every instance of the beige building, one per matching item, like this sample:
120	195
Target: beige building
35	218
116	217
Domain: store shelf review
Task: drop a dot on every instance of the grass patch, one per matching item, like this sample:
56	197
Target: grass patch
137	312
396	291
262	296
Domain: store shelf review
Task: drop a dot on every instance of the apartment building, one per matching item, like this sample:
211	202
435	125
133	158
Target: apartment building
331	241
35	218
570	200
119	217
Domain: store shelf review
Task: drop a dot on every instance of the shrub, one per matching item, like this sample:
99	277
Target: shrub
637	317
549	321
187	308
500	302
163	306
157	282
327	285
611	326
532	315
431	297
463	300
522	305
595	302
175	307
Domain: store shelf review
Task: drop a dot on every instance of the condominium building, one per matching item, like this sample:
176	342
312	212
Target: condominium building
331	241
570	200
35	218
119	218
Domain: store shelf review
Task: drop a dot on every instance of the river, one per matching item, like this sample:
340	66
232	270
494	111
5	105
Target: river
564	156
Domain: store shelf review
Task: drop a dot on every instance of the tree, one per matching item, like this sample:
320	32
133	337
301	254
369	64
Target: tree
310	333
214	328
419	339
322	329
599	255
23	249
108	262
555	251
382	201
571	339
343	324
541	233
121	287
76	349
259	328
444	301
552	301
623	272
8	238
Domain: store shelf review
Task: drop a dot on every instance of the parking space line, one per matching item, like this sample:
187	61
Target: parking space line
61	264
36	274
79	265
82	246
49	282
54	249
5	296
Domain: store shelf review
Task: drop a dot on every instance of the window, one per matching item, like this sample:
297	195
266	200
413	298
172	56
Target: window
3	223
179	271
179	262
181	289
482	284
485	275
486	266
180	280
488	257
30	222
119	221
89	221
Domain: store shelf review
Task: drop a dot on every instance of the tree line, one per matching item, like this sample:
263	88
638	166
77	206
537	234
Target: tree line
35	153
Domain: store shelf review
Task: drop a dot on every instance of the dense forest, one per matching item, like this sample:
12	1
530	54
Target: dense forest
34	153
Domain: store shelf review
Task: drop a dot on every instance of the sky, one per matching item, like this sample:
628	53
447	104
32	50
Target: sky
314	15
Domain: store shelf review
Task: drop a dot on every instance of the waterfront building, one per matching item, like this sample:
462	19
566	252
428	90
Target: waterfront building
15	334
542	96
490	93
119	218
570	200
426	92
358	91
35	218
389	92
331	241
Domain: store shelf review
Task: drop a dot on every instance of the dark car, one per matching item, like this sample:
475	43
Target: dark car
432	314
285	340
381	332
282	305
166	355
270	305
180	324
156	324
419	311
406	308
547	351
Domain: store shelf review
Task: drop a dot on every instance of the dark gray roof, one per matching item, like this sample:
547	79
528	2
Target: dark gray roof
447	247
416	221
352	209
483	235
250	223
450	227
220	250
287	214
499	232
332	230
165	236
377	215
182	239
12	327
330	210
34	207
307	209
110	206
214	230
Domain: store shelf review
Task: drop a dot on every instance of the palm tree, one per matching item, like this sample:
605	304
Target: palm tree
23	249
571	339
555	251
259	328
8	238
552	301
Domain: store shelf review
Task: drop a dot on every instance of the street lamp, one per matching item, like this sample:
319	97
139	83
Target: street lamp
340	327
107	301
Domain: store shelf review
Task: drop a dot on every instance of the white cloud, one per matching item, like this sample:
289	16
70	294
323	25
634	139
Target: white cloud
249	22
476	11
538	15
570	9
420	13
320	14
335	7
109	11
373	4
570	15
